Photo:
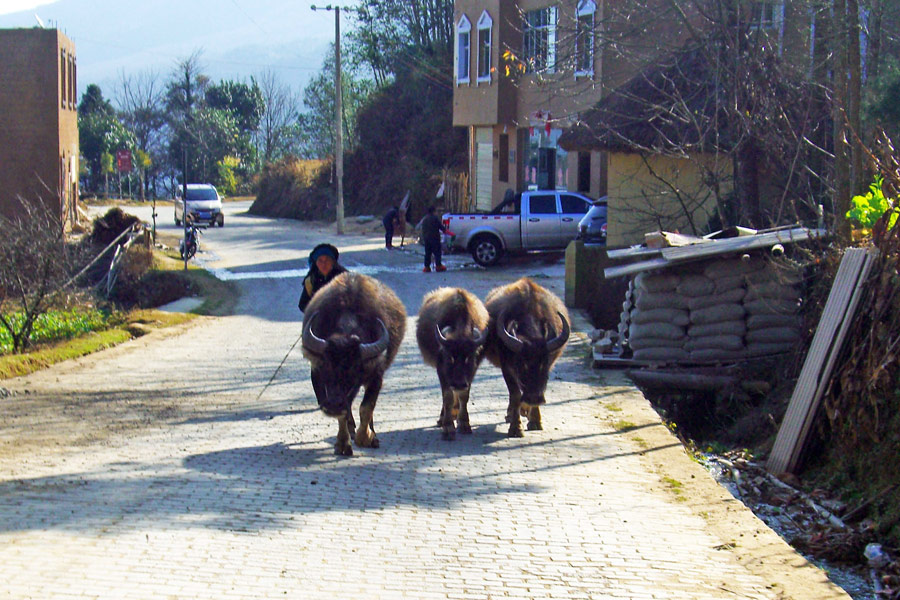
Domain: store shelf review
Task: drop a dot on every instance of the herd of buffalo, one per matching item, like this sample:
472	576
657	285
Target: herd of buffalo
352	329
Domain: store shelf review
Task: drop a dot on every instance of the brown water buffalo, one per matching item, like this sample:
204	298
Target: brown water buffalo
451	331
528	329
352	329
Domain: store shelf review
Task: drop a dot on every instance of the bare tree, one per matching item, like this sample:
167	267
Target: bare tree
35	261
276	126
140	100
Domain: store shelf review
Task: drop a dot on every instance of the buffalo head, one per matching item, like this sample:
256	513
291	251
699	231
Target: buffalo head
533	345
343	358
458	356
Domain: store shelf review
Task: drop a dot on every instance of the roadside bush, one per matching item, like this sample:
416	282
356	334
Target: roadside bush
55	325
295	189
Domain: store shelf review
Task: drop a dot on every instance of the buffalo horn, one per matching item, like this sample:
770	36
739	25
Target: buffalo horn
375	348
479	336
311	341
557	342
439	335
508	339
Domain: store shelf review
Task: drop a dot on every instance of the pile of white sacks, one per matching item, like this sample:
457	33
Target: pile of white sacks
715	310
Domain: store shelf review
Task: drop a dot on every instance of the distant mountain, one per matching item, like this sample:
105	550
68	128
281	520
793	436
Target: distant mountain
238	38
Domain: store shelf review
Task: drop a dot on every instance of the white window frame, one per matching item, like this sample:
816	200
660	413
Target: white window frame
773	25
584	40
532	51
484	41
463	53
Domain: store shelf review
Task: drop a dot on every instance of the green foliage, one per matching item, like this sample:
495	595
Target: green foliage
868	208
55	325
100	133
93	102
226	180
317	123
244	102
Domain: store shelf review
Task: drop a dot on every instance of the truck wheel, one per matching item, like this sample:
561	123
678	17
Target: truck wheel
486	251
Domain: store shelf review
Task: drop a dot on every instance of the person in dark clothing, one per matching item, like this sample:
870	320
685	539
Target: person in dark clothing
323	267
431	239
391	218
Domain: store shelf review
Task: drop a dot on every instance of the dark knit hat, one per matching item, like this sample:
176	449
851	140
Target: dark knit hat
326	249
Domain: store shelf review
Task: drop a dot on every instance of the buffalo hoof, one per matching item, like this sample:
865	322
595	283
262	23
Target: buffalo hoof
464	428
343	450
535	426
448	436
515	432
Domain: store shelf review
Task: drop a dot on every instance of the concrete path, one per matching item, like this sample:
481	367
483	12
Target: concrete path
194	464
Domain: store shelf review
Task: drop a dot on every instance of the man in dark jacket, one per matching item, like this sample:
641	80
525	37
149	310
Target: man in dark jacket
391	218
431	239
323	267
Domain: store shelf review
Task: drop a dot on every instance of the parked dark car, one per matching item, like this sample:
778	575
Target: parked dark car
592	227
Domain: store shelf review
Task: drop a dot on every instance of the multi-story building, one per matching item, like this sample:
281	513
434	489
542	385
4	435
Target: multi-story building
523	72
38	122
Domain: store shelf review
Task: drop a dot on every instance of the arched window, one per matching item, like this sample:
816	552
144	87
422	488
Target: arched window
484	25
463	49
584	38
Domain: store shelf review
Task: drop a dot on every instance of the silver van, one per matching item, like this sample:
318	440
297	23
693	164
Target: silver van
204	205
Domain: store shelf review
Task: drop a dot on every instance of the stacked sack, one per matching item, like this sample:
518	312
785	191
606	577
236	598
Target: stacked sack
715	310
657	318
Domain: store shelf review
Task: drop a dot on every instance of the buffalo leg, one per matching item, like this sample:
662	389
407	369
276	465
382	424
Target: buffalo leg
448	432
342	447
462	422
534	418
515	401
365	434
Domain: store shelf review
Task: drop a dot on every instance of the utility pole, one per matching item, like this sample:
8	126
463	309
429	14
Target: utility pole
338	117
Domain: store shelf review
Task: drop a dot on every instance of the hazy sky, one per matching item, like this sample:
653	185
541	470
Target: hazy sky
235	39
11	6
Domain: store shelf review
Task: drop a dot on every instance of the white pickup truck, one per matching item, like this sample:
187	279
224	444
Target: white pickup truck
531	220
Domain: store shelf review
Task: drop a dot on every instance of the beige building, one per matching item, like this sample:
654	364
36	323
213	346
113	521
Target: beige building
38	122
525	70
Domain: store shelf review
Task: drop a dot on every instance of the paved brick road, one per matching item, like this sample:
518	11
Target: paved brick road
122	478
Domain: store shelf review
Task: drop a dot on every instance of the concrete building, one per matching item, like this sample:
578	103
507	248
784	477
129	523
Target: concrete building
523	72
38	122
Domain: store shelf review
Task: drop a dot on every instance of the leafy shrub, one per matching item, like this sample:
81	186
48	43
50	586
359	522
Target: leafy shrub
868	208
55	325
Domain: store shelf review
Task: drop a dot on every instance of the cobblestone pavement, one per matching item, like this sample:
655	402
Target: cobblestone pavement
194	464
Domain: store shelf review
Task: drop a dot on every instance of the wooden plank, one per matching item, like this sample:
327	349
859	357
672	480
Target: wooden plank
646	265
739	244
803	400
828	368
633	251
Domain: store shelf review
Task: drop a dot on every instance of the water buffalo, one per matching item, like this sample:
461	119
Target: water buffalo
451	331
528	329
352	329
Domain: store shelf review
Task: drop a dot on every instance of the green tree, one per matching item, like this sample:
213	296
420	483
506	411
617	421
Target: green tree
244	102
93	102
317	122
100	132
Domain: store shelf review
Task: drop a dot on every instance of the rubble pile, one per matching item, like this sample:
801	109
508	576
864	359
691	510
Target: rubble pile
815	523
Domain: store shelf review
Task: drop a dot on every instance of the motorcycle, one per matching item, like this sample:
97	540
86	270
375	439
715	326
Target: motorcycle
193	242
